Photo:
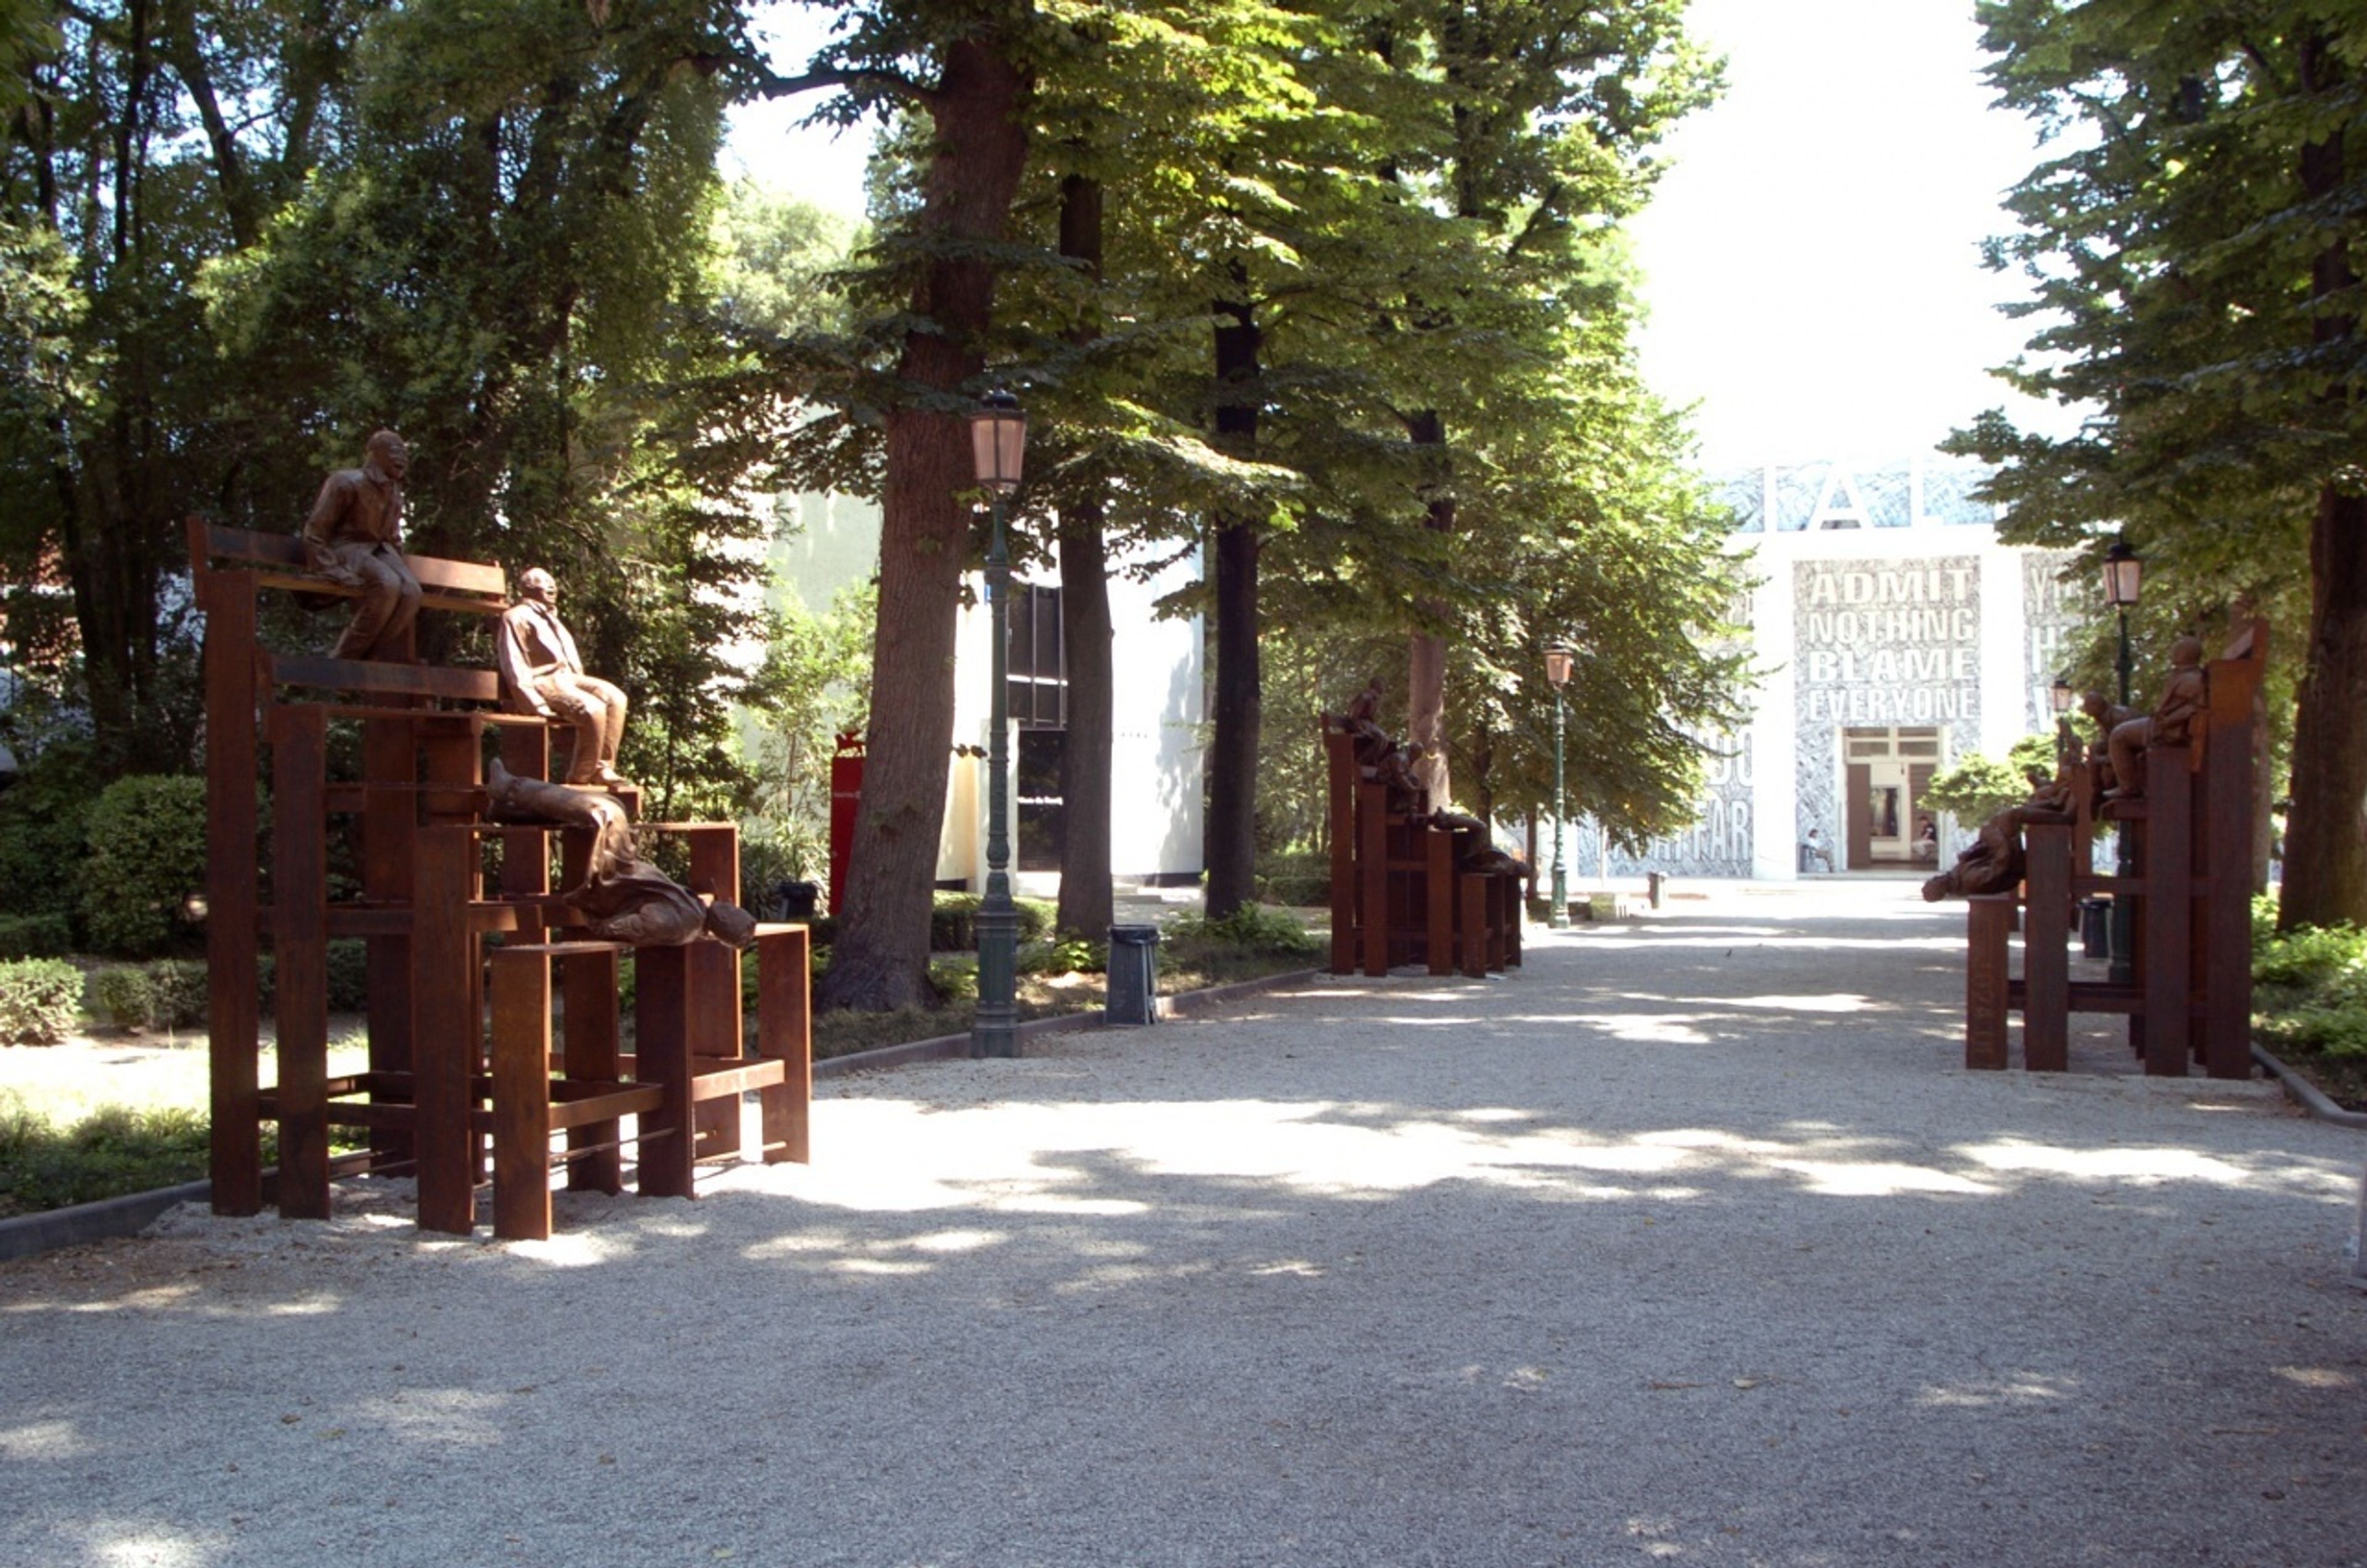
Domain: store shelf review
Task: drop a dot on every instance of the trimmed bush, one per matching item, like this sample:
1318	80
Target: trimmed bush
146	856
35	936
953	922
41	1000
179	987
349	975
1300	878
1253	928
111	1152
121	996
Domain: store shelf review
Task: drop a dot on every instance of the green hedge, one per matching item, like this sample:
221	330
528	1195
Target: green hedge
953	923
35	936
41	1000
146	854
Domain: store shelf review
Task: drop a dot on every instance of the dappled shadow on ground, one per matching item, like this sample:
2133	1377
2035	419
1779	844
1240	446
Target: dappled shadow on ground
1654	1248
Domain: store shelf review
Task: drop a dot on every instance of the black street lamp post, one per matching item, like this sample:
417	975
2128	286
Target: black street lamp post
2124	574
1558	658
998	434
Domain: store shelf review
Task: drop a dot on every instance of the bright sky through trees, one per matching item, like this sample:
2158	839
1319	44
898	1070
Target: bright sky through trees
1810	259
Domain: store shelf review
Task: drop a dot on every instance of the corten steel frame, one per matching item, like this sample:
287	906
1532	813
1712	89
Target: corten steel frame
2189	998
424	915
1397	893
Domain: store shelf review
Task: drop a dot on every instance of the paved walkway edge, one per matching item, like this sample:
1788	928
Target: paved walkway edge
2313	1099
80	1224
52	1228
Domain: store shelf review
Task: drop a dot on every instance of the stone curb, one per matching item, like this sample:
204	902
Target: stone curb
80	1224
72	1226
2313	1099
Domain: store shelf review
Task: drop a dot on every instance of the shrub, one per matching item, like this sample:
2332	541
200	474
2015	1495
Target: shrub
41	1000
955	979
1252	926
146	855
121	994
1301	877
2312	956
35	936
179	987
111	1152
44	823
349	975
953	922
1068	955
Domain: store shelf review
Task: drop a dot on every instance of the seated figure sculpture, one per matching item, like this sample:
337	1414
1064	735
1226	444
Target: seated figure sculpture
1994	862
354	537
2183	698
542	673
623	898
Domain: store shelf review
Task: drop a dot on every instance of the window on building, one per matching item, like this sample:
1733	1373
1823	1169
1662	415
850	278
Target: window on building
1038	678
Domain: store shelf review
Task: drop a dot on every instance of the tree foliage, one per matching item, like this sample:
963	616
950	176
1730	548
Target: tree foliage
2193	293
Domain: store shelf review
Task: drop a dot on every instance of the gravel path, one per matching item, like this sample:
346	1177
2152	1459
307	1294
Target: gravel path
1691	1241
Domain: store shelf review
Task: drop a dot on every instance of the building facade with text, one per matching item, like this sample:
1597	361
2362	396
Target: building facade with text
1894	635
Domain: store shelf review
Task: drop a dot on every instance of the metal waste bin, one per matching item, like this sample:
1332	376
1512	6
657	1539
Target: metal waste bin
2095	927
1133	976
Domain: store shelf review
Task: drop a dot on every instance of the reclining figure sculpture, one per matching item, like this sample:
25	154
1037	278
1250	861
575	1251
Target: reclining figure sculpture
623	898
1995	862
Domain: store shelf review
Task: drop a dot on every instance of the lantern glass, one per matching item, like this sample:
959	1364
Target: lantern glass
2059	694
998	439
1560	659
2124	572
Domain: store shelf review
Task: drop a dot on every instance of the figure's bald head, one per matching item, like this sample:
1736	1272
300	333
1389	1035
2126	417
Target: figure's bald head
387	453
539	585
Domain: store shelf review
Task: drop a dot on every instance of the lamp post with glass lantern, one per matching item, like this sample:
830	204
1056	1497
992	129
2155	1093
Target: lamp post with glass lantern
998	434
2058	698
1558	658
2124	574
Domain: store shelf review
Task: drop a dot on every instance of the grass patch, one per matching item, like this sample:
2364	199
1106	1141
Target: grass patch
113	1151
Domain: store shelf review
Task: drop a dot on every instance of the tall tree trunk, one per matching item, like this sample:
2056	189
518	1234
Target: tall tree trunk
881	957
2326	847
1426	654
1086	906
1231	838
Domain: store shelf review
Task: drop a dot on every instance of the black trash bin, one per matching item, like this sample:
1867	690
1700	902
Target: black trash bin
2096	928
794	900
1133	976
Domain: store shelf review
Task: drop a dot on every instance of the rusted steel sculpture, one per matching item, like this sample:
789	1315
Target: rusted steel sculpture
2185	791
1409	885
543	675
354	537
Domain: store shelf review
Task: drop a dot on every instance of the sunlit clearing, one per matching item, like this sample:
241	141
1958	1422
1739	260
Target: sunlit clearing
2117	1164
1877	1179
1837	1003
957	1241
1493	1113
878	1266
42	1439
1297	1266
570	1250
2027	1390
1654	1029
315	1307
2316	1377
459	1416
145	1547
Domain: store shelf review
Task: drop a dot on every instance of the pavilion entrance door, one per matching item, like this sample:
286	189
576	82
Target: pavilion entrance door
1886	772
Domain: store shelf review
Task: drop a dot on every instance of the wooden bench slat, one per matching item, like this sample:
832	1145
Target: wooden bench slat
392	680
479	579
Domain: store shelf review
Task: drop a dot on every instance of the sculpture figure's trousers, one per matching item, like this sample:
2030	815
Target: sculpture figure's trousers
390	602
597	709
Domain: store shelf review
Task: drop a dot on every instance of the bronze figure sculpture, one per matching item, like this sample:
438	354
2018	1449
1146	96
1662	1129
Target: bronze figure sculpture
1994	861
354	537
542	673
623	898
2183	697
